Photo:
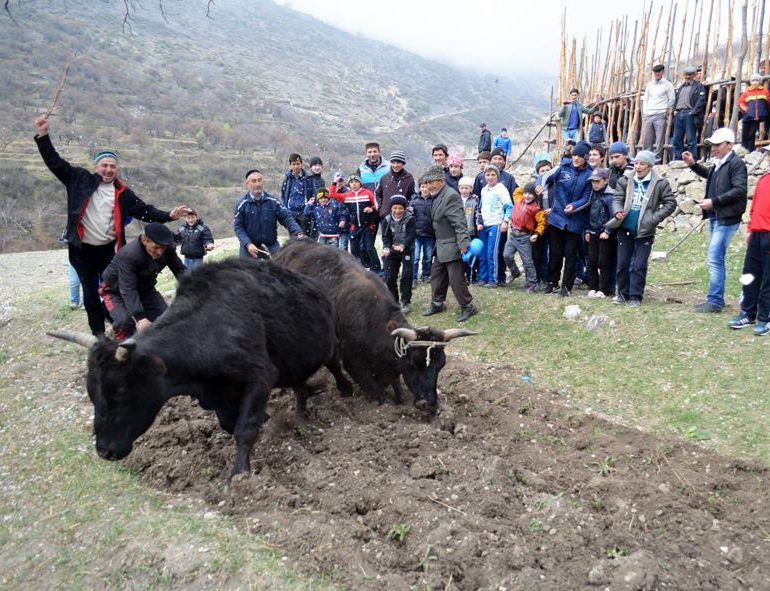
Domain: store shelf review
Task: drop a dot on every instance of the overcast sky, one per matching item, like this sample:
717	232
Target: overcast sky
498	36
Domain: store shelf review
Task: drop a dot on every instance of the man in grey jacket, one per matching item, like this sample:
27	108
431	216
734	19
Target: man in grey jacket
452	242
640	204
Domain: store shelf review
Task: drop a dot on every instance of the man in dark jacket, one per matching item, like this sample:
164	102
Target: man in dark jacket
485	139
689	108
723	207
98	204
256	217
452	242
194	239
297	189
128	286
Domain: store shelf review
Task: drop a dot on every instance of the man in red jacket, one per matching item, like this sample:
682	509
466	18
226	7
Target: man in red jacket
98	205
755	304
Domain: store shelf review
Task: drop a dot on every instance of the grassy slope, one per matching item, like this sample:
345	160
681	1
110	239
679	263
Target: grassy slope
71	520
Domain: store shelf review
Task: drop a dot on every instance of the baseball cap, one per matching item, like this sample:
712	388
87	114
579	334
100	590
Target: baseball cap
723	134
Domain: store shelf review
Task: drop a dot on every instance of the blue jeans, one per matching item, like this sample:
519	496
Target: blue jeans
490	236
344	241
74	286
571	134
426	245
718	243
684	125
190	263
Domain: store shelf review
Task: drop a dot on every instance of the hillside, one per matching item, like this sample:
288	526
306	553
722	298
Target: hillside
190	102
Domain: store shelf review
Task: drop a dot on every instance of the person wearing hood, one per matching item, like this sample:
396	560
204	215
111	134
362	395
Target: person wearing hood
194	239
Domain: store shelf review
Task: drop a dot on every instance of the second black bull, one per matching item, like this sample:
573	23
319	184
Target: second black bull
377	343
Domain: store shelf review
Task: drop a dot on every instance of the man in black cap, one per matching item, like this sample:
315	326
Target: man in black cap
485	139
128	285
98	206
657	102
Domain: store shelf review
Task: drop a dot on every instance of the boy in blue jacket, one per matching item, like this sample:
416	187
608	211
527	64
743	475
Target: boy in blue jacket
329	217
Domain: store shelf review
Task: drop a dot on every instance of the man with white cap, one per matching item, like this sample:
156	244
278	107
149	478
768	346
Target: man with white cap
755	304
689	107
723	207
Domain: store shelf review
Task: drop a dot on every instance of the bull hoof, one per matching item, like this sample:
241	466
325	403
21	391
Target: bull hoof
345	388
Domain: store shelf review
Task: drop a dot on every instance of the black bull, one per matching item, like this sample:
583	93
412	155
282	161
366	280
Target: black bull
236	330
377	343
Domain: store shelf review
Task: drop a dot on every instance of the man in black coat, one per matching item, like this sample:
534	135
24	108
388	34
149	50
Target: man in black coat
98	205
485	140
723	207
128	288
689	107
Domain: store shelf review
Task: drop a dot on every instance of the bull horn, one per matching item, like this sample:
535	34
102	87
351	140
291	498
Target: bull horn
79	338
408	334
123	352
453	333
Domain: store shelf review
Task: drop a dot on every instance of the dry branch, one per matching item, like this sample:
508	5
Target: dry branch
58	92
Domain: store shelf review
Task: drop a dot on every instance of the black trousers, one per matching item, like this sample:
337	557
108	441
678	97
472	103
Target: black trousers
445	275
90	262
394	262
633	257
501	266
749	134
540	256
122	322
564	252
756	295
601	263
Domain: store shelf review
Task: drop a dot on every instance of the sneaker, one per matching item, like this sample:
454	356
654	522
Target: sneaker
599	295
634	303
405	308
564	292
480	284
761	329
549	288
433	308
707	308
618	299
492	285
591	293
515	275
466	312
532	288
742	320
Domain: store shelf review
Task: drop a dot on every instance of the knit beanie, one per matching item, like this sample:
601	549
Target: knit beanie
316	160
492	168
398	156
645	156
618	148
466	180
433	173
581	149
456	160
398	200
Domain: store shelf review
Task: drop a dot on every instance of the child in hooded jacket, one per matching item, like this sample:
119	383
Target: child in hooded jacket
398	234
602	245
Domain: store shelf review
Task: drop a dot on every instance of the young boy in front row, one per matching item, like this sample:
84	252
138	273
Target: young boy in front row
526	226
329	217
398	234
602	245
472	215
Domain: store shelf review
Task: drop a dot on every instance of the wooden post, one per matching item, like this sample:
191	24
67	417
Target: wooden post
706	45
759	34
729	58
739	69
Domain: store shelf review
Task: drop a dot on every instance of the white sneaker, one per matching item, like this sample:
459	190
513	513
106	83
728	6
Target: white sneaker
591	294
617	300
599	295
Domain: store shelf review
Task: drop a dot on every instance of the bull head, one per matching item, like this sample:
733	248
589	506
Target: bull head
420	353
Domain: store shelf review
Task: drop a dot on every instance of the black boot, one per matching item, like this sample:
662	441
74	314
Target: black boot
466	312
434	308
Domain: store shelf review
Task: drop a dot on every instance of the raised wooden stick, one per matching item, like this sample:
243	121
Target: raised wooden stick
58	92
739	68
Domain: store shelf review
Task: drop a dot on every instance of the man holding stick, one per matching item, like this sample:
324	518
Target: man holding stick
97	205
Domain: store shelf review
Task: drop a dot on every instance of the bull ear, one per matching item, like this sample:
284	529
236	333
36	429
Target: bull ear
79	338
123	352
408	334
453	333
